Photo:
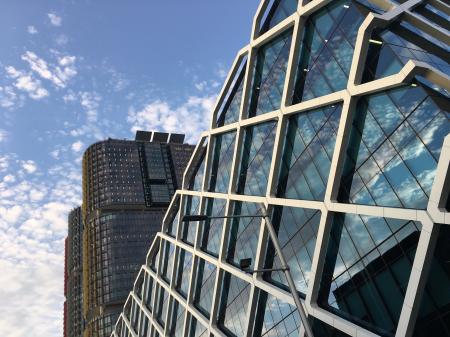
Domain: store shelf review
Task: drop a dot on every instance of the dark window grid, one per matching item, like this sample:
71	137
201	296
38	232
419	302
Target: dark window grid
324	46
307	150
249	148
238	291
386	265
260	84
279	276
386	139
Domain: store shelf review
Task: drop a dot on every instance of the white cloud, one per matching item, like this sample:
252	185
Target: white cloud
32	30
29	166
191	117
90	101
9	178
77	146
55	20
27	83
8	98
59	75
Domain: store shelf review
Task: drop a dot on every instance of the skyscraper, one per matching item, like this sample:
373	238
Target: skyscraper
127	186
74	274
332	127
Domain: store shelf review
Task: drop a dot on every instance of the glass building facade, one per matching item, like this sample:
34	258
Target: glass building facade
127	186
334	124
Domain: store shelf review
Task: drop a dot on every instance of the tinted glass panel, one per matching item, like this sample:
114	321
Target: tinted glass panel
184	272
278	11
244	233
297	230
221	162
256	158
327	49
276	318
308	151
434	314
394	147
269	74
235	295
204	286
192	207
367	268
212	228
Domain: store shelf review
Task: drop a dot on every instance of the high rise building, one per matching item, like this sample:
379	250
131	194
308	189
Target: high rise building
73	319
332	126
127	186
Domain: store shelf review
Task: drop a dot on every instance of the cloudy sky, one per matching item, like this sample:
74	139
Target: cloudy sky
76	71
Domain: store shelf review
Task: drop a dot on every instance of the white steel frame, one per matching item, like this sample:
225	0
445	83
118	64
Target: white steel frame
430	218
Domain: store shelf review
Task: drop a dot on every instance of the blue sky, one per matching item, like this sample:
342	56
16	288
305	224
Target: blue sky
76	71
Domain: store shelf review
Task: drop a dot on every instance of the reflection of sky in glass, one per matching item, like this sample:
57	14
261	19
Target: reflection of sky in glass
399	134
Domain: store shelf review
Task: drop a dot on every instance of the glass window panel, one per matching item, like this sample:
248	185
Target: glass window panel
434	313
327	49
192	207
256	158
221	162
297	230
394	147
212	228
361	281
231	108
244	232
277	12
234	299
307	153
275	317
184	272
269	74
204	286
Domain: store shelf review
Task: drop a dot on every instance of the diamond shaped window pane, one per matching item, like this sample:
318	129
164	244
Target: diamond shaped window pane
269	74
234	301
367	268
192	207
204	286
394	147
256	158
307	154
297	231
327	49
221	162
230	111
277	11
212	228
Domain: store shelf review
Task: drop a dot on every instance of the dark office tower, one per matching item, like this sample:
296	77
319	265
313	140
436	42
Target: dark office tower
127	186
73	276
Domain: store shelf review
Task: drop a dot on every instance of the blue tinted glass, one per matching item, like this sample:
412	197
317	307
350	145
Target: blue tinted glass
268	76
234	301
184	272
212	228
256	158
192	207
394	147
244	232
204	286
275	317
367	268
279	11
327	49
297	230
221	162
307	153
